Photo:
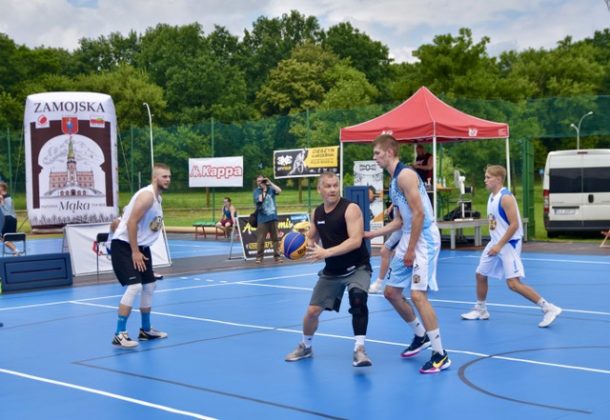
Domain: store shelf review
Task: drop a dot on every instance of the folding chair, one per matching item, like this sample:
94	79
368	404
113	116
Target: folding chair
606	234
14	237
101	238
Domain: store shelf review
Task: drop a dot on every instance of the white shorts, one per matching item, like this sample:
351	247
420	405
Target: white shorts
393	240
422	276
505	265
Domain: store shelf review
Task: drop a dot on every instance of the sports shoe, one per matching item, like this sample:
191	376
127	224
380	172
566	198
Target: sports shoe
301	352
360	358
151	334
436	363
550	314
476	313
279	260
417	345
122	339
376	287
158	276
259	260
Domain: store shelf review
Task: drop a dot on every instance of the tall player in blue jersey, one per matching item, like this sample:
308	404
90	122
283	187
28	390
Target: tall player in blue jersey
502	255
414	263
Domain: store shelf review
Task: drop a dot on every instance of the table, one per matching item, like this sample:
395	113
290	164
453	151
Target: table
457	225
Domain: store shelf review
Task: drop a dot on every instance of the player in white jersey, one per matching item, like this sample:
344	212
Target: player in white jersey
414	263
138	229
502	255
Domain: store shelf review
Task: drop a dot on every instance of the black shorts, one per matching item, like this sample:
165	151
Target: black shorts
122	264
10	225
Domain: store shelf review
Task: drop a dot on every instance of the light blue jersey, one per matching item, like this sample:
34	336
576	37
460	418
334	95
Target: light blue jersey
422	275
399	200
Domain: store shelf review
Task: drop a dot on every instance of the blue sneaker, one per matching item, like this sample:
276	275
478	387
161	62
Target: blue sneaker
436	363
417	345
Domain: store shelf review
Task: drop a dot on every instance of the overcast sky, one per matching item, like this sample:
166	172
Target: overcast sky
402	25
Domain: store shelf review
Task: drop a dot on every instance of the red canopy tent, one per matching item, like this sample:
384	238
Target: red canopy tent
424	118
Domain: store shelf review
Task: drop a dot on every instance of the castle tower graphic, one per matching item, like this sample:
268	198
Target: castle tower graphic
71	182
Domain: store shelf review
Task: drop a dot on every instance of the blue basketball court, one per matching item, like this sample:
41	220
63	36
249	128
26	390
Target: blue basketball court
229	331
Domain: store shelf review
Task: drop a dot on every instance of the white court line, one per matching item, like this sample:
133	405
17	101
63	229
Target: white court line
370	340
107	394
554	260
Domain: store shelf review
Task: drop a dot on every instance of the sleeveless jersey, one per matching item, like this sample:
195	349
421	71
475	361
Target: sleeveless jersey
399	200
149	227
333	231
498	221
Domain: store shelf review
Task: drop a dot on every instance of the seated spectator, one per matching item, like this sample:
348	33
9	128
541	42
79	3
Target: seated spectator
10	217
227	218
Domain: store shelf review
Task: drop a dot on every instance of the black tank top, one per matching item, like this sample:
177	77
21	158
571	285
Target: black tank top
333	231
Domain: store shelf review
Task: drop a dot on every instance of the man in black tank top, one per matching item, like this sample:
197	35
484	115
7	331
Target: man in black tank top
339	225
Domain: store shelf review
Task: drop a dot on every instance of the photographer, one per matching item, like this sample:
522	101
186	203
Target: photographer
264	199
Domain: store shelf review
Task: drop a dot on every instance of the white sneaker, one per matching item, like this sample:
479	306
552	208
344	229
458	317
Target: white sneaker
122	339
550	314
376	287
476	313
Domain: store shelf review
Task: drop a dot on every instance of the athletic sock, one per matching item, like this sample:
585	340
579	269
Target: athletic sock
359	341
481	304
307	340
435	340
145	321
543	304
417	327
121	324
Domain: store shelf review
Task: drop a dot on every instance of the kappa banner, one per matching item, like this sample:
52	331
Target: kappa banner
70	158
297	163
216	172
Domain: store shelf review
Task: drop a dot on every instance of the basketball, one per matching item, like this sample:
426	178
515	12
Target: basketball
294	245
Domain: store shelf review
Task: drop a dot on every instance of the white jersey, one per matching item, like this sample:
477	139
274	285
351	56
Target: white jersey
498	220
149	227
400	201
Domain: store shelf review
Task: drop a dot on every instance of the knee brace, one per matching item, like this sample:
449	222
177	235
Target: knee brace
147	294
357	302
130	294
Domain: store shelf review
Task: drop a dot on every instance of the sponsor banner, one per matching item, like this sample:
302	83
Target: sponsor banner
81	245
70	158
298	222
367	172
296	163
216	172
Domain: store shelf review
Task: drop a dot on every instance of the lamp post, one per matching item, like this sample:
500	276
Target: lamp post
152	157
577	128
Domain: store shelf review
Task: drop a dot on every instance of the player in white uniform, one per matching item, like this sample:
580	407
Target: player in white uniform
138	229
414	263
387	250
502	255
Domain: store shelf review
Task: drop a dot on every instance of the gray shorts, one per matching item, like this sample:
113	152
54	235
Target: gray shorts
329	290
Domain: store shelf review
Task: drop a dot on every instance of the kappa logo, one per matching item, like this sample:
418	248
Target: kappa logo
416	278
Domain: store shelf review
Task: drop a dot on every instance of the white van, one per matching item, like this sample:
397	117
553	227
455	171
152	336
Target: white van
577	191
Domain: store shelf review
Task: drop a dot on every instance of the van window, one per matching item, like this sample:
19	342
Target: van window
565	180
596	180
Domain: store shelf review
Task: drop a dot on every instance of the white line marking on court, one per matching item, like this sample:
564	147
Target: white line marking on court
555	260
370	340
107	394
192	318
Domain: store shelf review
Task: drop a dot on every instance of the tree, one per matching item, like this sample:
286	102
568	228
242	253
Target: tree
129	89
368	56
106	53
272	40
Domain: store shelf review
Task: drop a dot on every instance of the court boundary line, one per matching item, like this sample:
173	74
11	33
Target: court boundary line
106	394
369	340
